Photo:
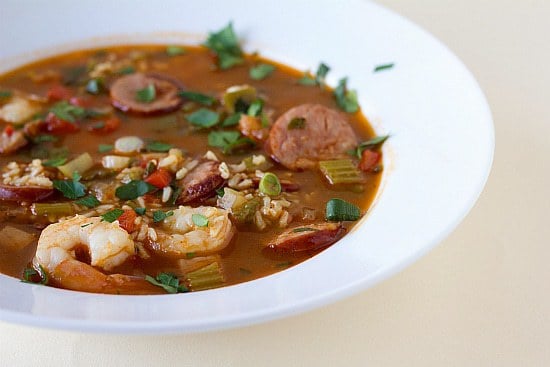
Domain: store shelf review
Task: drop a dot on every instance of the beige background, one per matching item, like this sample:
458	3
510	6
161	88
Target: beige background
482	298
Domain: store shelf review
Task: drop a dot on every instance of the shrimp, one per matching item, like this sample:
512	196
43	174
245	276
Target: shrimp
180	235
108	246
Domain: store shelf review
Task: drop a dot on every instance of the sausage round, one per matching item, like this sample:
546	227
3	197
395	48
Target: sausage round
124	89
201	183
322	134
307	238
24	193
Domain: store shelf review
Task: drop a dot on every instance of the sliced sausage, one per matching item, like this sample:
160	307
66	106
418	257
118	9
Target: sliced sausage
201	183
24	193
315	133
124	97
11	142
308	237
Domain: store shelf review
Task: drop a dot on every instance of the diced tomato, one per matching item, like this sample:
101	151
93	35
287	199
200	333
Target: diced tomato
127	220
369	160
160	178
58	93
80	102
9	130
55	125
108	126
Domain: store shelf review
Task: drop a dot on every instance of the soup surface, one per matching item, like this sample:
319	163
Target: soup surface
150	169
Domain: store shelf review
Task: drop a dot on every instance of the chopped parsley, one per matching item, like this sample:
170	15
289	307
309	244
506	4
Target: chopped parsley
104	148
159	215
156	146
174	50
199	220
198	97
89	201
225	45
318	79
68	112
297	123
133	189
5	94
71	189
169	282
147	94
203	118
55	162
261	71
369	144
383	67
44	138
228	141
232	120
255	108
112	215
346	99
140	211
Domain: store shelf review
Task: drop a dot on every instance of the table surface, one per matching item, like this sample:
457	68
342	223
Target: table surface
479	299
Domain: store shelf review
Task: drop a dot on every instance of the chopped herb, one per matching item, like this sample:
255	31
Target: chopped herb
346	99
190	255
140	211
95	86
285	264
89	201
261	71
85	225
98	125
159	215
112	215
6	94
126	70
297	123
369	144
220	192
68	112
232	120
174	50
150	168
73	75
133	189
104	148
203	118
156	146
340	210
245	271
55	162
255	108
304	229
71	189
225	45
169	282
30	274
175	195
383	67
270	185
320	75
44	138
198	97
228	141
147	94
199	220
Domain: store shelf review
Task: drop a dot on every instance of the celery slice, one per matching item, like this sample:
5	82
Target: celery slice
53	209
207	277
80	164
340	171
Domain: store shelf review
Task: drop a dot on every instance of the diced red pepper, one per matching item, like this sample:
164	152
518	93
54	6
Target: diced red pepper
160	178
108	126
9	130
369	160
127	220
55	125
58	93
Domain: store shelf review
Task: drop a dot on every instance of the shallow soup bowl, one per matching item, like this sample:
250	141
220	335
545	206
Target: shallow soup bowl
436	161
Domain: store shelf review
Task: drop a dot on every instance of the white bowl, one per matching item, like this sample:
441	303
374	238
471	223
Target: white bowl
437	159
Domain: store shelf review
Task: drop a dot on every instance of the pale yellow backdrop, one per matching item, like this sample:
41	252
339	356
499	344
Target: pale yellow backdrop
482	298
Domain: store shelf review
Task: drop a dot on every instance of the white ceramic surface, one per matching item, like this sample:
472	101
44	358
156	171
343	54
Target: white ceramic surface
437	160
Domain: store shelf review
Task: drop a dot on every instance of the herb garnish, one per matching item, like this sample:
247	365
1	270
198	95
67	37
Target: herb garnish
30	274
140	211
232	120
383	67
255	108
174	50
346	99
225	45
228	141
89	201
71	189
126	70
199	220
55	162
297	123
369	144
261	71
112	215
147	94
5	94
159	215
156	146
198	97
133	189
44	138
68	112
318	79
104	148
169	282
203	118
